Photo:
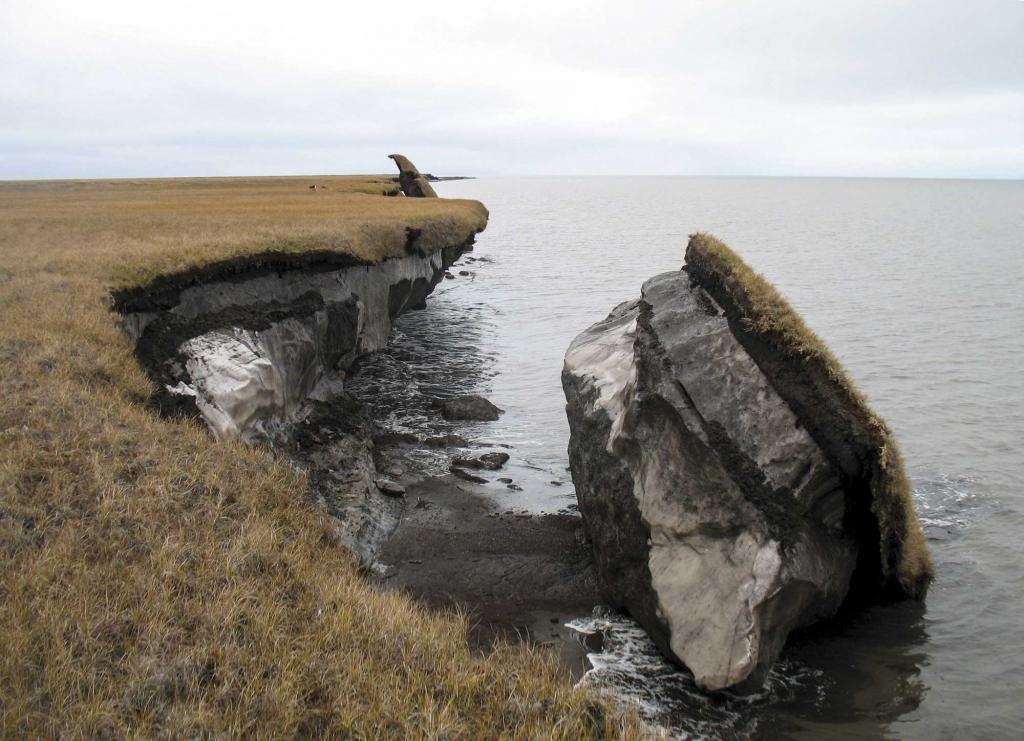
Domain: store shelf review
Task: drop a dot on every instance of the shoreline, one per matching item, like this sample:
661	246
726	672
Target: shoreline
520	576
193	572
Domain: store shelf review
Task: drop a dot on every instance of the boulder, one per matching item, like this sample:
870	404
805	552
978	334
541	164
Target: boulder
466	475
469	407
446	441
413	183
734	484
488	461
391	488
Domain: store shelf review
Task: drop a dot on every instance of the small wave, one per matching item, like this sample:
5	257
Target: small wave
946	504
629	668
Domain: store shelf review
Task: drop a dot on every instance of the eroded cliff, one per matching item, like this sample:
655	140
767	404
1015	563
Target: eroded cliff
259	349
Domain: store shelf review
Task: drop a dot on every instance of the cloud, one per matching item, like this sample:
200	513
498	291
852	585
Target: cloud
741	87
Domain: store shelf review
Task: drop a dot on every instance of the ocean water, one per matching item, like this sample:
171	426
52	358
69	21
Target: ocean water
918	287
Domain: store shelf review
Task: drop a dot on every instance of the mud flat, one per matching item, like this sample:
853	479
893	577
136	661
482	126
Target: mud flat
521	575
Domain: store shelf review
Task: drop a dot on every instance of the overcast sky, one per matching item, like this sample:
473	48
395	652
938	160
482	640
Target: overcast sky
930	88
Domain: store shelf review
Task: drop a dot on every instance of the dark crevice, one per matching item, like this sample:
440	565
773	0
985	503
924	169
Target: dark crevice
778	506
837	433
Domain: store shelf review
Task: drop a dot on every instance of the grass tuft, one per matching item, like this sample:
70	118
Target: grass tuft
765	314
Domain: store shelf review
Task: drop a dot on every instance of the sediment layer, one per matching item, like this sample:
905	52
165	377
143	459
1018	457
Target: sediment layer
261	355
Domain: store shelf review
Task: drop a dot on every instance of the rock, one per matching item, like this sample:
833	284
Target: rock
732	483
446	441
381	570
469	407
514	487
463	273
413	183
466	475
393	437
505	480
494	461
487	461
391	488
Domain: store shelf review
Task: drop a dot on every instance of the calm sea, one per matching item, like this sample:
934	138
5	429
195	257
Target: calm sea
918	287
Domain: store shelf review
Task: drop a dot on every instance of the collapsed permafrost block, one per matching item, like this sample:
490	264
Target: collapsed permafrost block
734	483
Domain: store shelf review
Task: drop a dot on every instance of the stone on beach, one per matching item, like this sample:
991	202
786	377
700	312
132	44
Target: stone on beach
466	475
488	461
469	407
391	488
446	441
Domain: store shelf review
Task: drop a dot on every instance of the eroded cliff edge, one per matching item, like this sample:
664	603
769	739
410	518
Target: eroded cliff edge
258	348
735	484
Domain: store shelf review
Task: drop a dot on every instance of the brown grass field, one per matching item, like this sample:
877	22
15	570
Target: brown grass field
154	582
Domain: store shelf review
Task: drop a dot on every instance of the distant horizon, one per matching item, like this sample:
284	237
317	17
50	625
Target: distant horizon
459	176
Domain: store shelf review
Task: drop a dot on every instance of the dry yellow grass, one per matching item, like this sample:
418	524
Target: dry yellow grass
154	582
903	551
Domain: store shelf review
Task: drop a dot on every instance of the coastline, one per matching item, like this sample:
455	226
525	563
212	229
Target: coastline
196	568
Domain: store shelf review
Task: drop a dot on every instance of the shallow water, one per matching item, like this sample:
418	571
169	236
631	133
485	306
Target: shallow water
917	287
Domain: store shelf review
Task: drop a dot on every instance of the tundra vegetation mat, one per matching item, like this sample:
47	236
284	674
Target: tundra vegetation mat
764	317
156	582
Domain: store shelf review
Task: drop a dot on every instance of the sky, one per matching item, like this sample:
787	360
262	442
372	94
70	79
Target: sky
878	88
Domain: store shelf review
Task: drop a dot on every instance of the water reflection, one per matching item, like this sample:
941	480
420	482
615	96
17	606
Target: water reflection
850	677
870	668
